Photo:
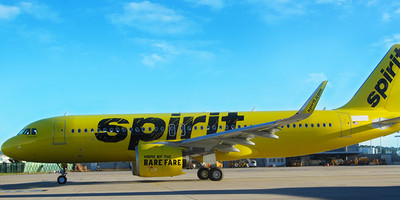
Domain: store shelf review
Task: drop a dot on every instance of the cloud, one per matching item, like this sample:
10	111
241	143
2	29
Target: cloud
152	60
160	52
316	77
38	11
276	10
213	4
388	41
151	17
334	2
9	12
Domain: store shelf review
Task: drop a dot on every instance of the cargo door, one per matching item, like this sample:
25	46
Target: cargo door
59	132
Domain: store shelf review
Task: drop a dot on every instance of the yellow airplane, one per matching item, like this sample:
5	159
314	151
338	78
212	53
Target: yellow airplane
163	144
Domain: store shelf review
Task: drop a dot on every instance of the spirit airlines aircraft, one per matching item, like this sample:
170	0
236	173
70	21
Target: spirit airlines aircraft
164	144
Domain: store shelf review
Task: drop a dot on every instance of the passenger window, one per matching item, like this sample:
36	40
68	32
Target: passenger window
239	126
85	130
214	127
208	128
220	127
189	128
137	129
149	128
117	130
98	130
143	129
281	126
104	129
201	127
162	128
233	127
306	125
299	125
288	125
92	130
330	125
195	128
294	125
79	130
246	126
324	125
318	125
156	128
72	130
226	127
124	130
34	131
312	125
131	130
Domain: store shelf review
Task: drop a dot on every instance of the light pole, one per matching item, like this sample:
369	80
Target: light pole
397	136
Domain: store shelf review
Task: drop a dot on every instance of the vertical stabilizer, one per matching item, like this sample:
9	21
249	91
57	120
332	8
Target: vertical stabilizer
381	90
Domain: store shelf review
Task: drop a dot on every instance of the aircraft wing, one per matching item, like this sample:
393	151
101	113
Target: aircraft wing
225	141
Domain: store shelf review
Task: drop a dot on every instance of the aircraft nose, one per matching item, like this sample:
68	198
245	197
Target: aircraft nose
9	148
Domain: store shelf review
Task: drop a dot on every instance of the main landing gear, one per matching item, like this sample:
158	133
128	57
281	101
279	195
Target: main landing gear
62	179
214	174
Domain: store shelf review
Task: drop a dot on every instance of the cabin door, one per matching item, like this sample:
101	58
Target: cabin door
346	124
59	132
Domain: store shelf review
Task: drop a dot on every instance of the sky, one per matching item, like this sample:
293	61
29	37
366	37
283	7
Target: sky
109	57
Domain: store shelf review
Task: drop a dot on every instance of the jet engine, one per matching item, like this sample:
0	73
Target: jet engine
156	160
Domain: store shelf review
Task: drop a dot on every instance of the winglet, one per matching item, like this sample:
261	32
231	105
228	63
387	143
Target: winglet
308	108
311	103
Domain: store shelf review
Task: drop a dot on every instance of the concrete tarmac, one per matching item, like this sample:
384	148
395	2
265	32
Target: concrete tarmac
340	182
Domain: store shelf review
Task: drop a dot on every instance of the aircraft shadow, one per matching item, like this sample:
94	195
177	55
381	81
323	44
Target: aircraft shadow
328	193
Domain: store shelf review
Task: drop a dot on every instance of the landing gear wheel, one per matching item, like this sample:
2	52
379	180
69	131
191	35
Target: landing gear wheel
203	173
215	174
62	179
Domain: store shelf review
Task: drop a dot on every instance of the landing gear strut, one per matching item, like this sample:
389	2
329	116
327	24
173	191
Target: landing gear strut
214	174
62	179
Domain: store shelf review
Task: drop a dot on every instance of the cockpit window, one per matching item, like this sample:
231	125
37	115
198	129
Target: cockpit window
27	131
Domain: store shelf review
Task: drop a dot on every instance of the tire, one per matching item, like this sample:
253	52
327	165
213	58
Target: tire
203	173
62	179
215	174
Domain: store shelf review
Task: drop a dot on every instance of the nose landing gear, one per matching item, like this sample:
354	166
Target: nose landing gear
62	179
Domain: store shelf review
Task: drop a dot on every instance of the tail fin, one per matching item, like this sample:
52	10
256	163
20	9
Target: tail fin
382	88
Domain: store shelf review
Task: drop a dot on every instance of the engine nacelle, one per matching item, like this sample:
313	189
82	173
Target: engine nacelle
155	160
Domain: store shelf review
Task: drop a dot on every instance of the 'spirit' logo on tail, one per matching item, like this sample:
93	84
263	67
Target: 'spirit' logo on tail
383	84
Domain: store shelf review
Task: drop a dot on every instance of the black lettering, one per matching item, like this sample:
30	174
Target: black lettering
212	121
397	52
140	135
373	99
390	70
189	122
105	124
231	120
145	162
381	87
395	61
386	75
169	162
